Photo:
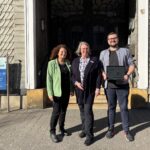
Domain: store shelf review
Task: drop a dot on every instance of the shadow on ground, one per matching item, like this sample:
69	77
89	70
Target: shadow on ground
139	119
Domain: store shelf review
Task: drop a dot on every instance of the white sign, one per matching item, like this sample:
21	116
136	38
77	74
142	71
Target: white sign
3	62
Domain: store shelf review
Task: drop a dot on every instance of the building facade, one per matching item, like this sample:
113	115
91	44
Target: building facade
30	28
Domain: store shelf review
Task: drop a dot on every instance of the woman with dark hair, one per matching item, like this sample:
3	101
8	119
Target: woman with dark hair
86	77
59	87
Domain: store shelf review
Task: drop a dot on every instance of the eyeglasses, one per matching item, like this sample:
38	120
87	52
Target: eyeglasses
114	38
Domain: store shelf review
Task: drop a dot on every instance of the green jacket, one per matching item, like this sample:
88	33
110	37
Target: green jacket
53	80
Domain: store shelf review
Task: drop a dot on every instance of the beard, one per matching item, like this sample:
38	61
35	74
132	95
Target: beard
114	46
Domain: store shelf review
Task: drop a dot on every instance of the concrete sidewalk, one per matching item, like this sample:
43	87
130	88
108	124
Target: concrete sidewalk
29	130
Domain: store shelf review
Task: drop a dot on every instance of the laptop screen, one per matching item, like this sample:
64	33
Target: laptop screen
115	72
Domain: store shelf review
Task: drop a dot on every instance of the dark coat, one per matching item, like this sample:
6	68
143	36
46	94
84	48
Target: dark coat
92	79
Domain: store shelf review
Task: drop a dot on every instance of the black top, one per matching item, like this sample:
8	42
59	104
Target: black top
113	61
65	80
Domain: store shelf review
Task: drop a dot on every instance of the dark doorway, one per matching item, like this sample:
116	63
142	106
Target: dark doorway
71	21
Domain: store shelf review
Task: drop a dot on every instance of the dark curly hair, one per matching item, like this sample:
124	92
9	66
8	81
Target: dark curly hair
55	51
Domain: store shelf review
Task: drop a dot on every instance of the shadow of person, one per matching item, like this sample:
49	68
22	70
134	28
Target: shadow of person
102	123
61	136
99	125
138	101
75	128
139	120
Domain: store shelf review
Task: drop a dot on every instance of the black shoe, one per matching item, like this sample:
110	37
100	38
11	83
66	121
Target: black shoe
65	133
88	141
129	137
82	134
54	137
110	133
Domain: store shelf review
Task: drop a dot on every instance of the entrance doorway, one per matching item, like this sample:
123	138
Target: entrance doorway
72	21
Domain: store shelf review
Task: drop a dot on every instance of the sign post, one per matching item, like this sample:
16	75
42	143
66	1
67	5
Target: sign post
7	82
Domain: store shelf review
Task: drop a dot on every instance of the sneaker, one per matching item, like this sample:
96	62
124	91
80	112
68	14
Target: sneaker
82	134
110	133
129	137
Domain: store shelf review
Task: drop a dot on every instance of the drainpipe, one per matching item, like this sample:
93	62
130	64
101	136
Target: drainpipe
149	55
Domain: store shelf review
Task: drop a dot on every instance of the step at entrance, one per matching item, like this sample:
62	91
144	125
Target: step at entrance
100	102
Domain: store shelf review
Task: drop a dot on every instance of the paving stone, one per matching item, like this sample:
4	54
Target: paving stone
29	130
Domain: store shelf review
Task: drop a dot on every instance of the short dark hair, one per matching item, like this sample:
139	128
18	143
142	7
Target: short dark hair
55	51
111	33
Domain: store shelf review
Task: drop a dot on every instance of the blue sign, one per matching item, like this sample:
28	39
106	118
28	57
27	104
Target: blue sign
3	73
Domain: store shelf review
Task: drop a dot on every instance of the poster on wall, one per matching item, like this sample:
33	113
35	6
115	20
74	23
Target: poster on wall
3	74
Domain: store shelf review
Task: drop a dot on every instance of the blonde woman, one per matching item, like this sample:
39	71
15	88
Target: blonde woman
86	77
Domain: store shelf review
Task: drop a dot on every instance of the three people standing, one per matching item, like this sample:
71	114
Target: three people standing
86	74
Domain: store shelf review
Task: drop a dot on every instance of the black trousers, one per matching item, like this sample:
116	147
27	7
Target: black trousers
87	116
60	105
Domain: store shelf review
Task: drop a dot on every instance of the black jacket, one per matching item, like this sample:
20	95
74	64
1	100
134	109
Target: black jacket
92	78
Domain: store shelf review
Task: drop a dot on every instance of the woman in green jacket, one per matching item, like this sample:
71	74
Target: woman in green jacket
59	87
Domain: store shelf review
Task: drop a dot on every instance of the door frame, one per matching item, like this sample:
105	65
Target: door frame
143	44
30	44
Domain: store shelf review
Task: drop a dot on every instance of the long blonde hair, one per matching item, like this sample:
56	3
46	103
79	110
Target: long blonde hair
78	51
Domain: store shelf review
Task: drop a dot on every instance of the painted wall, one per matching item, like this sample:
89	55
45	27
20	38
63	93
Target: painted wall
12	40
13	15
143	44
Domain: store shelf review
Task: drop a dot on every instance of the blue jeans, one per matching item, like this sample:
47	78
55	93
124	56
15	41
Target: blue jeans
122	96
